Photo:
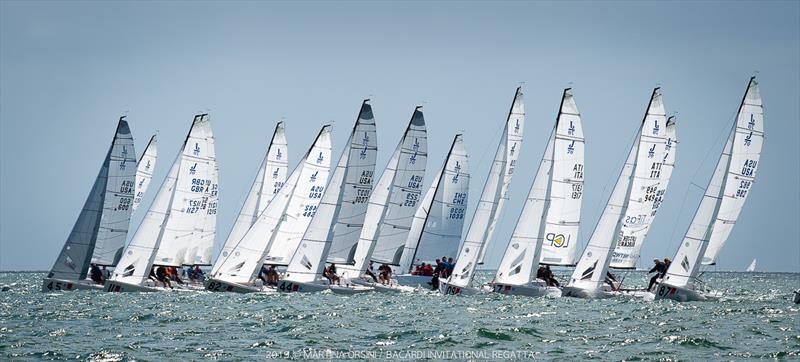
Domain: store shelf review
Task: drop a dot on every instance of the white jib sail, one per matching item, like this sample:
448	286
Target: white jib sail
552	210
342	209
186	231
269	179
117	204
438	234
726	192
112	192
290	210
394	179
493	196
144	170
626	206
626	255
751	267
405	194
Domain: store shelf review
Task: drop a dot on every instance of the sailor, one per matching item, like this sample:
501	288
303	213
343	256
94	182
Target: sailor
96	274
161	275
450	266
106	273
427	270
438	268
198	273
542	274
272	275
262	274
371	273
434	283
610	280
659	268
667	263
551	280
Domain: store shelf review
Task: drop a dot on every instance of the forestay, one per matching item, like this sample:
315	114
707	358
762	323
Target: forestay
140	253
144	170
726	192
626	207
436	229
342	210
404	196
287	215
187	235
551	213
269	179
112	194
635	227
493	196
405	168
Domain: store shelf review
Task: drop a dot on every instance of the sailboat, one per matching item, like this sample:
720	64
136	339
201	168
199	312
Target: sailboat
752	267
551	215
491	203
279	228
720	207
390	208
103	220
340	215
144	171
439	219
179	227
269	179
628	213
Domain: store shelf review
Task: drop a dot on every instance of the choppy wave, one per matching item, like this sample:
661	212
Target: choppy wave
755	319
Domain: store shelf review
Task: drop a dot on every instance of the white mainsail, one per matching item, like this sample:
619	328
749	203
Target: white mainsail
407	189
401	181
629	245
106	213
187	232
493	196
190	173
551	214
285	217
343	207
144	170
269	179
438	223
628	209
726	192
752	267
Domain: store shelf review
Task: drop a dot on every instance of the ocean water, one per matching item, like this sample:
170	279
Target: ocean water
756	319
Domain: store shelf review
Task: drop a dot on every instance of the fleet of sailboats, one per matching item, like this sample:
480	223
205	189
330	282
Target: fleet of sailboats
324	228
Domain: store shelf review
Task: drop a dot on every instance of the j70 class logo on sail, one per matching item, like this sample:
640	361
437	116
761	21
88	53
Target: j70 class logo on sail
196	149
571	129
457	169
656	128
320	158
571	148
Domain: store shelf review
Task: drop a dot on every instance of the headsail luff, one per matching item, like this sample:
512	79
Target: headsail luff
342	209
288	214
403	175
112	192
139	255
438	232
726	192
552	208
493	197
626	210
269	179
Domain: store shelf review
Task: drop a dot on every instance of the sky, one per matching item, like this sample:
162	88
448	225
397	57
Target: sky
68	70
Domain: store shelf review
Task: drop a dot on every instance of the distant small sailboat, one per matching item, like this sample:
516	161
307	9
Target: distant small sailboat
551	215
103	220
269	179
752	267
180	225
280	227
491	203
391	206
144	170
719	209
340	215
629	211
439	219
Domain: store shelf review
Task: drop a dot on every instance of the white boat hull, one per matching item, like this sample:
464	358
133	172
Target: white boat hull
414	281
384	288
445	288
528	290
683	294
216	285
54	285
288	286
120	287
599	293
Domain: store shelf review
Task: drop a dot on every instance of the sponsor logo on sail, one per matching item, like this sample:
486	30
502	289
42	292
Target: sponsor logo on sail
364	142
558	240
124	157
685	263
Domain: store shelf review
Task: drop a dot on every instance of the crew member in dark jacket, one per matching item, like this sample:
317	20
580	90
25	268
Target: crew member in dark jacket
660	269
